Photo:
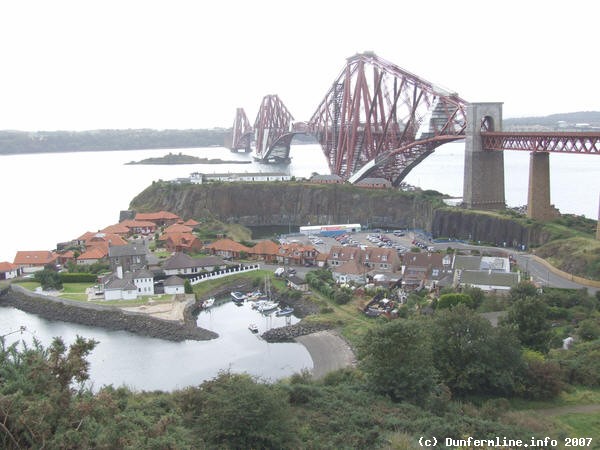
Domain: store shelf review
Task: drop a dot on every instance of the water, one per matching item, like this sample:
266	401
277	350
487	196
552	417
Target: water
143	363
50	198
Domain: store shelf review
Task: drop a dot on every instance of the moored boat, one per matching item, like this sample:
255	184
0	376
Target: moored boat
285	311
267	306
252	327
208	302
237	296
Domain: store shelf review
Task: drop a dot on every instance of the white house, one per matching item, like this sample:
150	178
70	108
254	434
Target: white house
8	271
128	286
174	285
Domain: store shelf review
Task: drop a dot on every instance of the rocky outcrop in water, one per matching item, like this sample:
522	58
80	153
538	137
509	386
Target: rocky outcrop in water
287	334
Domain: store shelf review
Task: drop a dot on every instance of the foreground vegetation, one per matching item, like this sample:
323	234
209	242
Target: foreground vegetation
447	374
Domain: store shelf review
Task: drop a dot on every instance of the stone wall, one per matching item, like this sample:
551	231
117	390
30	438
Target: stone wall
108	317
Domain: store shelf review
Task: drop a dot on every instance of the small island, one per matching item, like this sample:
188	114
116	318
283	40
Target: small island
184	159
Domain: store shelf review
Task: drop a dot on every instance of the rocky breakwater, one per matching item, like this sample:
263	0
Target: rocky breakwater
108	317
289	333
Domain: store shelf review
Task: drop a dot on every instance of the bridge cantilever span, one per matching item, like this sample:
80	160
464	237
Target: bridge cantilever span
380	120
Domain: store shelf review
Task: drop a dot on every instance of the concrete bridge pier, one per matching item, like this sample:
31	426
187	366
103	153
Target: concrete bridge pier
484	170
538	198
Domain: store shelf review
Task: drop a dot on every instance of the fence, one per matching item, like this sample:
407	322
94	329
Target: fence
223	273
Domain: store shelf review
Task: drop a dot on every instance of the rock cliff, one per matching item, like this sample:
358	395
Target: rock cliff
253	204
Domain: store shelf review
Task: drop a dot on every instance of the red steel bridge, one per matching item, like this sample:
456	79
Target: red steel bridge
378	120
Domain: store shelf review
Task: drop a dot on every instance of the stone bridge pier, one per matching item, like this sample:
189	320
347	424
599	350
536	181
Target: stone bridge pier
484	170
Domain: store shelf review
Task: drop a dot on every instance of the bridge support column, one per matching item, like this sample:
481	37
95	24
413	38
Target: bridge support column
484	170
538	198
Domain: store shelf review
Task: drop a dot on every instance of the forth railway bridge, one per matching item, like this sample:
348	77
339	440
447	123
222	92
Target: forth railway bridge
378	120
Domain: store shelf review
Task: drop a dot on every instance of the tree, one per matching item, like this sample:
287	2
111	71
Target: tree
449	300
236	411
49	279
473	357
397	360
37	392
589	330
187	287
527	318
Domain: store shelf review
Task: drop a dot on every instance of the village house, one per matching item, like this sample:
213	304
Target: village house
326	179
9	271
487	280
92	255
181	242
161	218
374	183
32	261
227	248
265	250
297	283
129	227
488	273
174	285
129	257
178	228
128	285
426	270
376	259
352	271
182	264
297	254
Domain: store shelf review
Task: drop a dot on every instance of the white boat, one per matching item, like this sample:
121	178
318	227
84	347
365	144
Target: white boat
208	302
267	306
252	327
237	296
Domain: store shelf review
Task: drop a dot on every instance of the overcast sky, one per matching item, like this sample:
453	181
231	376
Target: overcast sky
75	65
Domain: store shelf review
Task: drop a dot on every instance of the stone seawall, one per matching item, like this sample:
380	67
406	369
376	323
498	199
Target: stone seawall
289	333
108	317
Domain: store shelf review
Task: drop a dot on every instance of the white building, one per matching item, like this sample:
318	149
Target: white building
199	178
174	285
128	286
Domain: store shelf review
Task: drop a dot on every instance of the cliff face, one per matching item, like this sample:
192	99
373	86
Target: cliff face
299	204
253	204
469	225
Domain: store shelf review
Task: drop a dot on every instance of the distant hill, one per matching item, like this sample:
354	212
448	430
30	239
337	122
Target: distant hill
14	142
571	119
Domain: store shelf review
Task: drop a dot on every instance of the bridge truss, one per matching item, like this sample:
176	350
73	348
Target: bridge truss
380	120
555	142
273	131
243	134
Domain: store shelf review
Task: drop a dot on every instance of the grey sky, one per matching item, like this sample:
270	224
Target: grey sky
188	64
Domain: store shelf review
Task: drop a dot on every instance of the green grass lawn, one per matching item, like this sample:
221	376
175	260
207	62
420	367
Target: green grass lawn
581	426
75	291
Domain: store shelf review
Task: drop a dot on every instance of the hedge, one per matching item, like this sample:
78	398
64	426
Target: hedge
78	277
